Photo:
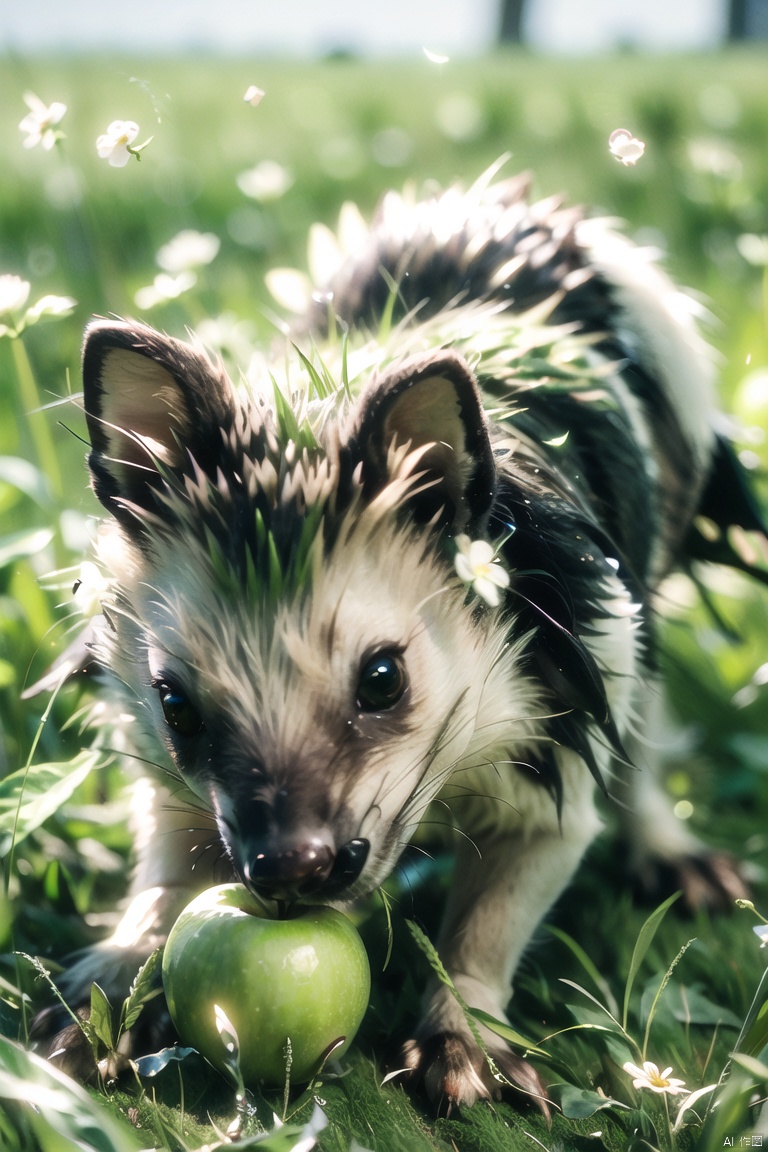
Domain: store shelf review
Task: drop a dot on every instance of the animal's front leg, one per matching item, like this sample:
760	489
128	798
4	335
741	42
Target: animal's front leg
503	886
179	854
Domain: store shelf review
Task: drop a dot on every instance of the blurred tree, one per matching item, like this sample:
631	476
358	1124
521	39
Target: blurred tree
737	19
511	21
747	19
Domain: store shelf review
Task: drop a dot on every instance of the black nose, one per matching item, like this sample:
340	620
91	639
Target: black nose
306	869
284	874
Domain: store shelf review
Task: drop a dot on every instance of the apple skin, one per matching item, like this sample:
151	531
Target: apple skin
305	976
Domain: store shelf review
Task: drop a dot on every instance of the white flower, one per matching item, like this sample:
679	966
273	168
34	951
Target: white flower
113	145
761	930
625	147
649	1077
254	95
188	249
50	306
40	120
164	287
13	294
267	181
477	564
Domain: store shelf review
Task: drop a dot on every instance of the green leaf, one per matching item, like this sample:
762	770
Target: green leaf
385	322
617	1043
155	1062
21	474
61	1113
580	1103
689	1006
754	1033
141	992
31	795
19	545
755	1067
643	943
506	1031
588	965
100	1018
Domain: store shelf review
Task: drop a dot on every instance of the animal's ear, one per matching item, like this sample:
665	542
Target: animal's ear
430	402
151	402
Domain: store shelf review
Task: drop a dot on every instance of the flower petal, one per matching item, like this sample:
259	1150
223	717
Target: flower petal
480	553
488	591
463	567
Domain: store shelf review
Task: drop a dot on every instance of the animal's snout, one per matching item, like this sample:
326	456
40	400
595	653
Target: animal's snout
304	869
296	870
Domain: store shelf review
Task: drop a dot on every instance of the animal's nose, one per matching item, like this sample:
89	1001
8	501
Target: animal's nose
303	869
284	874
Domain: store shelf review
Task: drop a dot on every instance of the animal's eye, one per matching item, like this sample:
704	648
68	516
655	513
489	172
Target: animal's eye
382	682
180	714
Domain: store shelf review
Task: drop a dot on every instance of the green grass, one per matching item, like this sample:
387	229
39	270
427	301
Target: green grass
346	130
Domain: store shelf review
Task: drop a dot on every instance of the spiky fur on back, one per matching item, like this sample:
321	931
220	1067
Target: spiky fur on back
486	371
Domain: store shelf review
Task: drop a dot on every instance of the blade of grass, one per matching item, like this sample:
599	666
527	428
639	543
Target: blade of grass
642	944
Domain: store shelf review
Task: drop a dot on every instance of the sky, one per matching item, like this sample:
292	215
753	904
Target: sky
371	27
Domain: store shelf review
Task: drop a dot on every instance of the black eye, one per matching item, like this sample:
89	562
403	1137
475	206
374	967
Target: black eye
180	714
382	683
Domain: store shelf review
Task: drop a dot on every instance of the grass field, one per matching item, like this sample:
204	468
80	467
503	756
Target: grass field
342	130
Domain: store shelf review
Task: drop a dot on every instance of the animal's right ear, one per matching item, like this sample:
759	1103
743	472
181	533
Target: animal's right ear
151	403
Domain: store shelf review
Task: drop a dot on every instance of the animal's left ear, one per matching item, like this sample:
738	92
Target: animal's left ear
430	402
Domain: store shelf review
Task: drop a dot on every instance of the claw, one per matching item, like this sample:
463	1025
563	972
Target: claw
455	1072
710	880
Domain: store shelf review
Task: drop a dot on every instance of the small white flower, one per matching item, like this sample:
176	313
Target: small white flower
650	1077
113	145
40	121
50	306
625	147
164	287
477	565
267	181
254	95
14	293
761	931
188	249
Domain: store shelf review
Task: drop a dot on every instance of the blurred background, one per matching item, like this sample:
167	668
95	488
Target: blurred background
303	27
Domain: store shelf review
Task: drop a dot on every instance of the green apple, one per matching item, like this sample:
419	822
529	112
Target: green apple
303	977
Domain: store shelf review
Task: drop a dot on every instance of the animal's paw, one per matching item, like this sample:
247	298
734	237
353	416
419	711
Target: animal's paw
59	1037
454	1071
708	879
64	1043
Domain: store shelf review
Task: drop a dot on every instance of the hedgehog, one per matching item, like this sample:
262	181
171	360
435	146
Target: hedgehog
412	559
